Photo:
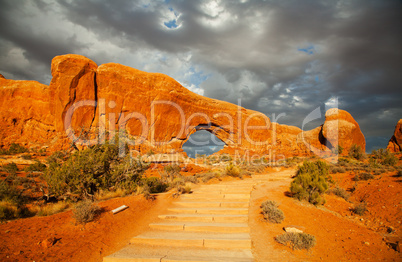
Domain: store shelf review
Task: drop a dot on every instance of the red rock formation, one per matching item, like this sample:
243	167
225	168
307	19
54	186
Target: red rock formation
155	111
395	143
24	113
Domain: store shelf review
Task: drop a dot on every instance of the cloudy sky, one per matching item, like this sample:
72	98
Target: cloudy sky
277	56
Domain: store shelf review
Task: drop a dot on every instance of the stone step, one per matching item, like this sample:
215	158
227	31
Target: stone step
210	210
202	227
200	196
191	239
183	203
140	253
206	218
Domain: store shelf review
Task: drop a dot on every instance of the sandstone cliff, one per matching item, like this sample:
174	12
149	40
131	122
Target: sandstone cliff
395	143
84	101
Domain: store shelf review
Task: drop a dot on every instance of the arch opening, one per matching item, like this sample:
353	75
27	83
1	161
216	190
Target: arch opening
202	142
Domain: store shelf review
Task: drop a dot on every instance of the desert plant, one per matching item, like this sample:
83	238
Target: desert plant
37	167
360	208
14	149
297	240
383	157
338	191
232	170
356	152
310	182
155	184
337	169
85	211
271	212
337	150
363	176
11	168
26	156
87	171
51	209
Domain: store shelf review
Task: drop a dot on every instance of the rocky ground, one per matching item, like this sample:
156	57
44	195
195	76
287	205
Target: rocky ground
340	234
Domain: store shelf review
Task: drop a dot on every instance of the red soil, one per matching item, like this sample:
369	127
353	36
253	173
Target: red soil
23	240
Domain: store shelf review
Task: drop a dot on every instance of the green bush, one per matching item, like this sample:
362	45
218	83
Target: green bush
356	152
14	149
155	184
11	168
310	182
87	171
85	211
271	212
37	167
11	193
297	240
383	157
337	150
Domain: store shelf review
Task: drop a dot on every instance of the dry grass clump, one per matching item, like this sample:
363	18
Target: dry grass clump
105	194
297	240
338	191
232	170
86	211
363	176
360	208
271	212
51	209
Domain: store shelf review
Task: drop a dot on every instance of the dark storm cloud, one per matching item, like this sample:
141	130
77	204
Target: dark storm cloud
276	56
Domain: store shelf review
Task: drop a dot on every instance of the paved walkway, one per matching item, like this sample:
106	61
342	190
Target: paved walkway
211	224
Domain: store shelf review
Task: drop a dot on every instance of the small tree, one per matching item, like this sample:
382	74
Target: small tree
310	182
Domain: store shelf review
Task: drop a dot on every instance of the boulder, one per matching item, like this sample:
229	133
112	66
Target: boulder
341	129
395	143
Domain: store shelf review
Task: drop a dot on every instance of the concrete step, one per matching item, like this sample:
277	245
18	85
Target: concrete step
191	239
210	210
184	203
202	227
140	253
206	218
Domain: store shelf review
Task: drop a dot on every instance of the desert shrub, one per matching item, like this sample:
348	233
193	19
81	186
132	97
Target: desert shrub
7	211
383	157
232	170
11	193
310	182
10	168
271	212
191	179
363	176
360	208
85	211
87	171
184	189
338	191
37	167
14	149
205	177
297	240
337	150
337	169
155	184
343	161
356	152
399	173
26	157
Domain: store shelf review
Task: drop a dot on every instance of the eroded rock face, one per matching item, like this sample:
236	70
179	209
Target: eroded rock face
155	111
24	113
340	128
395	143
